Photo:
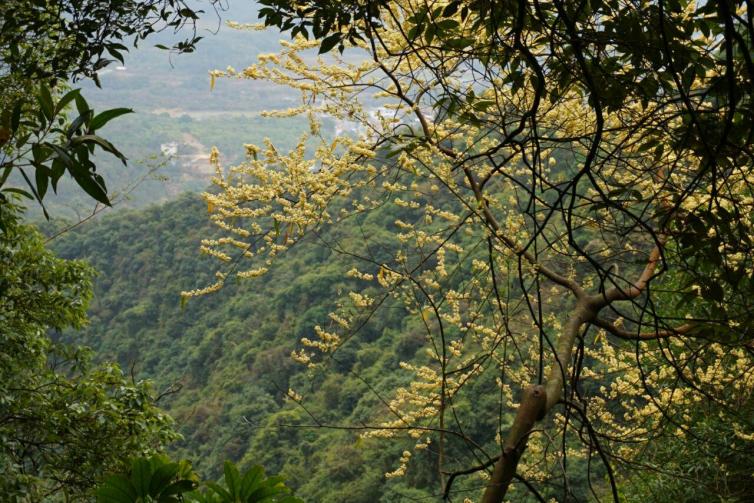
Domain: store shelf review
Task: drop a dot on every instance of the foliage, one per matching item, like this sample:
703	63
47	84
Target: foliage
234	373
157	479
335	23
149	479
46	142
709	462
185	113
64	421
577	183
229	354
61	40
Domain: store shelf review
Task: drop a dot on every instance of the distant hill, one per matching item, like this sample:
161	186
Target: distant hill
177	118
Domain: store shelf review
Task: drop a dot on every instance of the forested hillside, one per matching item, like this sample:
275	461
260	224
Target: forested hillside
227	357
223	362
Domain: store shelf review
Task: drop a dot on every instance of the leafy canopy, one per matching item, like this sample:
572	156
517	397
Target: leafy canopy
579	180
64	421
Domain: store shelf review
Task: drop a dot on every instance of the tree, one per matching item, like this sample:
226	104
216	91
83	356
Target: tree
77	38
574	181
690	469
64	421
44	45
159	479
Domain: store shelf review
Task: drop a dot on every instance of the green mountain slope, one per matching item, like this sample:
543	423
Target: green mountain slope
229	353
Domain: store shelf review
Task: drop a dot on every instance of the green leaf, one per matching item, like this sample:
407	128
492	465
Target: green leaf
42	177
16	116
40	152
56	171
450	9
112	495
429	33
225	495
329	42
6	174
63	155
103	118
81	105
78	122
92	187
45	101
162	477
116	489
21	192
251	480
101	142
447	25
459	43
66	99
232	478
141	471
179	487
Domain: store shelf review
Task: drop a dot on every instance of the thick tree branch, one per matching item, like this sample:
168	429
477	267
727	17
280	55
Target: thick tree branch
641	336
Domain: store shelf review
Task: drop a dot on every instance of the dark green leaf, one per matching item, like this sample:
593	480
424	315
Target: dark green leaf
45	101
329	42
66	99
19	191
162	476
179	487
81	105
232	478
42	177
101	142
103	118
116	489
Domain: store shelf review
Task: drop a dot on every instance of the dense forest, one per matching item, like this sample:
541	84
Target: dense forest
376	251
225	363
228	357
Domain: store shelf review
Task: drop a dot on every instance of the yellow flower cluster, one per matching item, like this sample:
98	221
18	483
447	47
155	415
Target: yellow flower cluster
488	271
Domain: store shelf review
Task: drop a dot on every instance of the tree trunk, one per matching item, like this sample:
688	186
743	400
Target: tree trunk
529	412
